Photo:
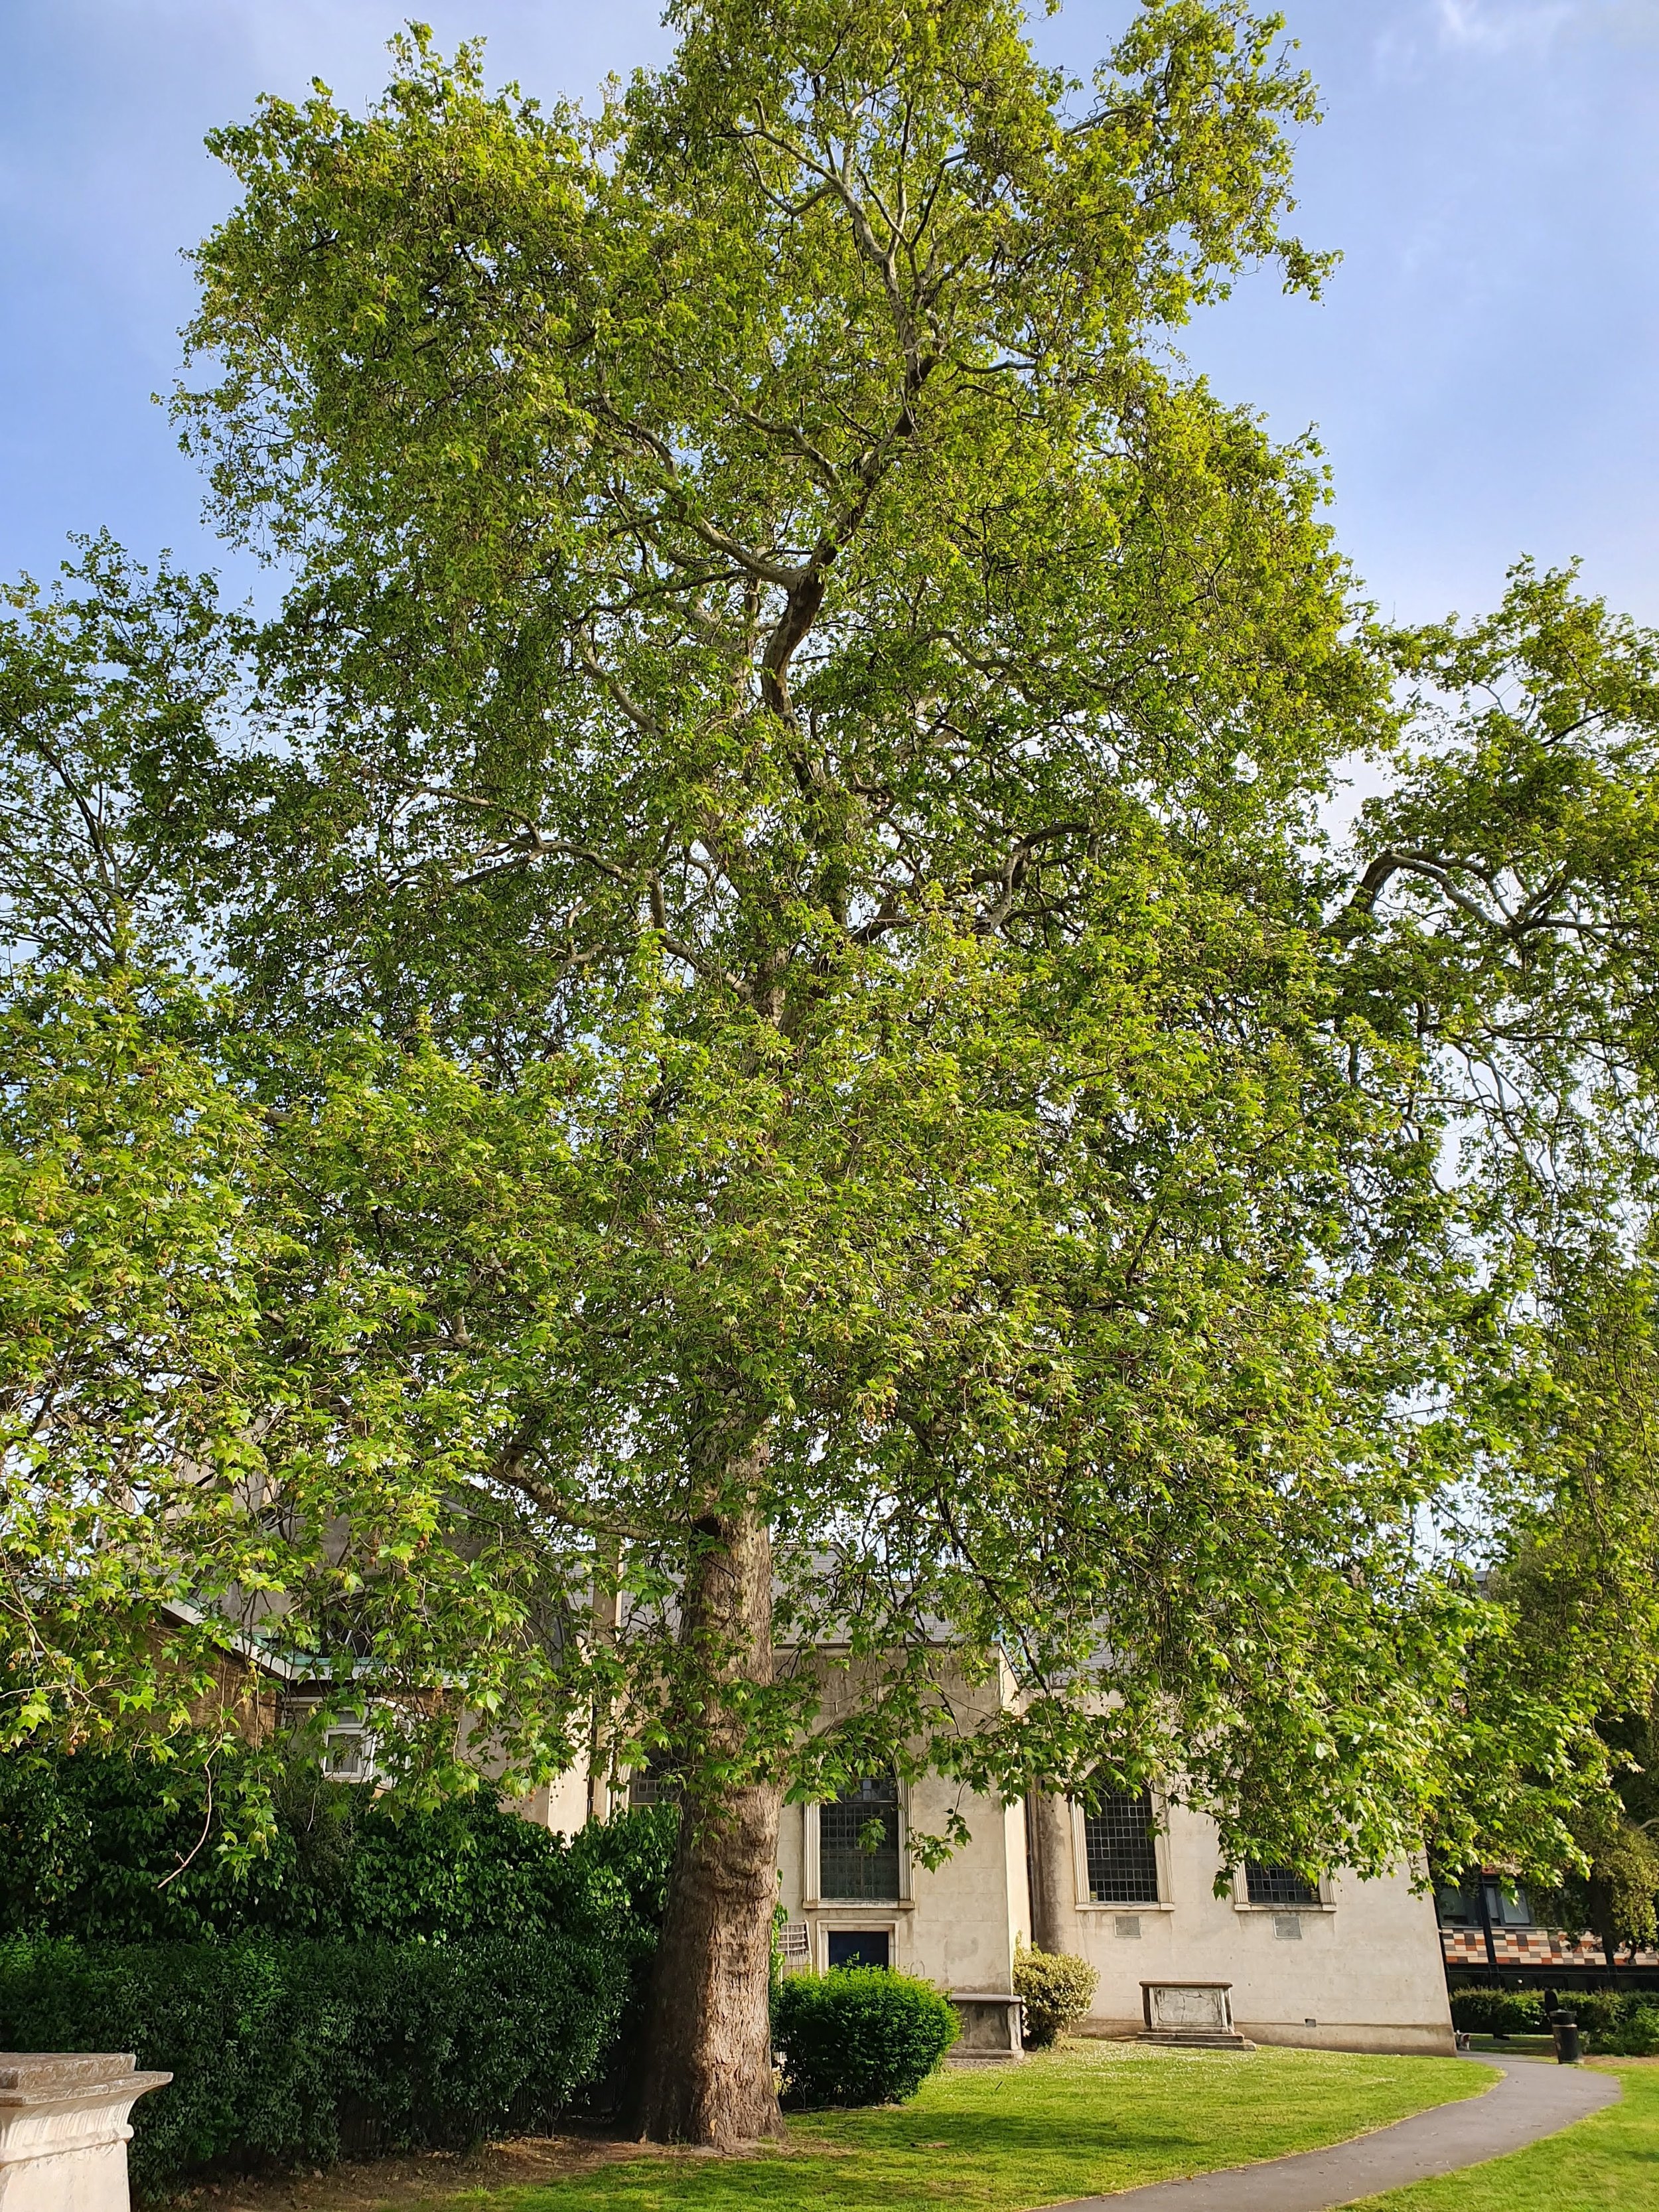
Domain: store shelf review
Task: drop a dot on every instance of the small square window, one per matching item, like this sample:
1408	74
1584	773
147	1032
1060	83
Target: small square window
349	1755
860	1946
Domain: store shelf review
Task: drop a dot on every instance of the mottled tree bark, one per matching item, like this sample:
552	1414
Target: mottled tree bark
706	2075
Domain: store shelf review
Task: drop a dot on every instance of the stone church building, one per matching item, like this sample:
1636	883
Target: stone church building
1129	1885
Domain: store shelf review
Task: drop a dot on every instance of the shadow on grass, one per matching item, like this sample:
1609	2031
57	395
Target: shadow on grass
1082	2121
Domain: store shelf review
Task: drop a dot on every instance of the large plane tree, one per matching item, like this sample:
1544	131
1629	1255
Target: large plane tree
798	1072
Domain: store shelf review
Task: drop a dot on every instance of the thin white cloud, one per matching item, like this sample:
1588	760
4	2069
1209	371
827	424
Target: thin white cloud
1524	29
1501	26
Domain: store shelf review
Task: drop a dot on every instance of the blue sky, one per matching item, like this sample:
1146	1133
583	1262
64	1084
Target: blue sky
1481	371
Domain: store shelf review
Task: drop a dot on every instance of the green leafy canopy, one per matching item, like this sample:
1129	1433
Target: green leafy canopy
785	975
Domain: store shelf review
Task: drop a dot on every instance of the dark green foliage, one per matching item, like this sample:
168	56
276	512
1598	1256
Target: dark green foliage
1498	2012
861	2035
1599	2012
1057	1988
1633	2034
1616	2023
86	1842
359	1980
285	2052
634	1852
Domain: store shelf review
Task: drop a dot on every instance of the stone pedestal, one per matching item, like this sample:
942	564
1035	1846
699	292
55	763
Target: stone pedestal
990	2028
1196	2015
64	2131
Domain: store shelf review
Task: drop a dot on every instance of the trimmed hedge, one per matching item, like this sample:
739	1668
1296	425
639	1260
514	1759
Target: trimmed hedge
861	2035
1058	1989
1616	2023
1498	2012
1635	2036
87	1839
288	2053
373	1978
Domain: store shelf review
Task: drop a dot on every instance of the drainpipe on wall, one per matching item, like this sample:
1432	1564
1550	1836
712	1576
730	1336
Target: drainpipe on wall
1486	1918
1048	1869
600	1759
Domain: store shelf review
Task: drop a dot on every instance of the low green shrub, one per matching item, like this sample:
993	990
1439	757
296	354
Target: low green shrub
1636	2035
380	1975
285	2052
1498	2012
1598	2012
1617	2022
861	2035
1058	1989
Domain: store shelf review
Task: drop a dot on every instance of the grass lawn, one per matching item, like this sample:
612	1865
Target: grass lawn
1610	2159
1090	2117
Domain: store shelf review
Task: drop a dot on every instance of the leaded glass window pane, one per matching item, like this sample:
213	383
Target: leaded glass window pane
651	1790
653	1786
1277	1884
859	1840
1117	1839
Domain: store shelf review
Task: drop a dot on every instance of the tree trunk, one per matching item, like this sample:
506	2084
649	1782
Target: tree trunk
1048	1859
706	2076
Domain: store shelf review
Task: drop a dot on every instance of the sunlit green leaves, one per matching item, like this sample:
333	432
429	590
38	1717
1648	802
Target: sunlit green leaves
784	959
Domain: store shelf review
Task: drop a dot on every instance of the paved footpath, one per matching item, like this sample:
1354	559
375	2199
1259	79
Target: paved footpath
1533	2100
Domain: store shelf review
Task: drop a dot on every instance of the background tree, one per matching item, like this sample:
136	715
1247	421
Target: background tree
1577	1566
115	690
1514	861
206	1392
